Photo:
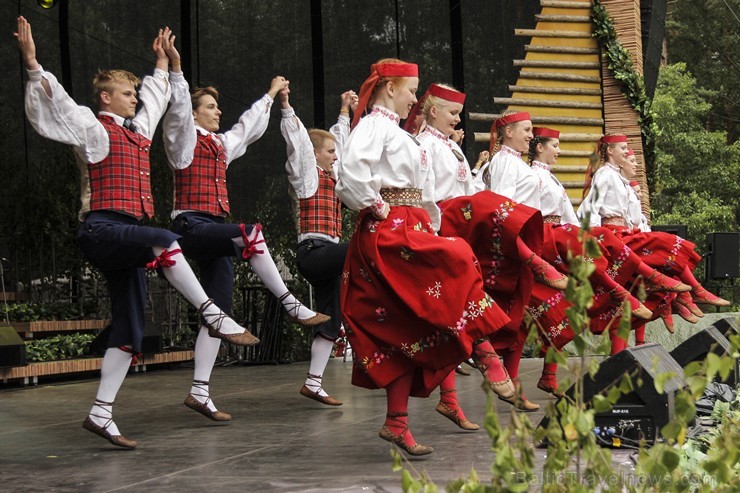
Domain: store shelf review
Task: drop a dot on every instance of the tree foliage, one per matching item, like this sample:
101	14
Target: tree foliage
696	169
706	36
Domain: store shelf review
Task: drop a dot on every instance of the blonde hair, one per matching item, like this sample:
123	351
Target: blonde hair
105	80
596	161
500	132
430	100
199	92
319	136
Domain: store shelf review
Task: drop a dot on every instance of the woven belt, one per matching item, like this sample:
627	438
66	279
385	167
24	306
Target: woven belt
552	219
615	221
402	196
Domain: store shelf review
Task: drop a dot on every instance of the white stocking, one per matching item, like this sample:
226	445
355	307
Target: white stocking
206	351
113	371
182	277
320	352
267	271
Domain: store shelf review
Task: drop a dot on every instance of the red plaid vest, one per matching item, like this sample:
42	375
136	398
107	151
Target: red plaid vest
202	185
322	212
121	181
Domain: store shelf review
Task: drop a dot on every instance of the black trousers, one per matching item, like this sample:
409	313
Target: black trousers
321	263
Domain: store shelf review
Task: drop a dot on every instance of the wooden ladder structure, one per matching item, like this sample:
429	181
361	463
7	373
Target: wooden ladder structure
564	84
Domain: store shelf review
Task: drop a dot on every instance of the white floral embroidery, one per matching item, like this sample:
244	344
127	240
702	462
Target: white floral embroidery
436	290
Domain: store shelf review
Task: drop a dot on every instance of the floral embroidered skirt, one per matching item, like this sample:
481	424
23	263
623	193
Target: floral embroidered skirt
412	301
670	254
491	224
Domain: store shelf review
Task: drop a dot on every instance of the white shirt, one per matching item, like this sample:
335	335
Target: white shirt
512	178
303	171
554	200
636	217
181	133
59	118
452	177
380	154
608	197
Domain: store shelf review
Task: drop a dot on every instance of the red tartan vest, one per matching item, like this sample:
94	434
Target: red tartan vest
322	212
202	185
121	181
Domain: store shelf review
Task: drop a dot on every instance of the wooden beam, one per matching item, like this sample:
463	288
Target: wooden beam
546	33
546	103
556	90
557	120
572	50
559	76
562	18
556	64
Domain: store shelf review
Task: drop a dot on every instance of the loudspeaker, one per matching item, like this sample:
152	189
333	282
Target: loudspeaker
675	229
724	255
699	345
641	413
12	348
727	327
151	344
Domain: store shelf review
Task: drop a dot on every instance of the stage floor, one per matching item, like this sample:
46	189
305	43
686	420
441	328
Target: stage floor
278	441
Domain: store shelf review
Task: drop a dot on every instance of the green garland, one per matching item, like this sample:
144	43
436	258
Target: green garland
633	84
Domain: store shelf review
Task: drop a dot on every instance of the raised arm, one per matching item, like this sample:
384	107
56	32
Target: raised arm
340	130
154	93
179	131
301	164
52	112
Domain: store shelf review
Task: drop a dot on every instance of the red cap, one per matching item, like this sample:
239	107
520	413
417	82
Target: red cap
634	183
513	118
630	152
436	91
545	132
612	139
378	70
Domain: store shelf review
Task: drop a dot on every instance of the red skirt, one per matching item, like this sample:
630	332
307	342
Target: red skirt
547	308
412	301
491	224
670	254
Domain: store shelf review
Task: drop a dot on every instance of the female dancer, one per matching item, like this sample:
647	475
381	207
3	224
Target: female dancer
608	203
413	301
614	268
199	157
491	228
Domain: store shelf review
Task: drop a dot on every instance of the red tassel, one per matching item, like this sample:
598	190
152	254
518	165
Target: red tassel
163	259
251	246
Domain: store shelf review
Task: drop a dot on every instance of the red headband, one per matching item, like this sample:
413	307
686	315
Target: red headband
612	139
436	91
545	132
378	70
634	183
630	152
513	118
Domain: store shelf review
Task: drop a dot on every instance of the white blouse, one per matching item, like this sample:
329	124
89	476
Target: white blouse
512	178
637	218
608	197
379	154
554	200
452	177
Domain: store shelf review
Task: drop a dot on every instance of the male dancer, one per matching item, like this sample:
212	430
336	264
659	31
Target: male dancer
112	151
312	175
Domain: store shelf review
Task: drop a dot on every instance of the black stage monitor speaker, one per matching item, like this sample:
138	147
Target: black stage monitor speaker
727	326
675	229
641	413
151	344
724	255
12	348
699	345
